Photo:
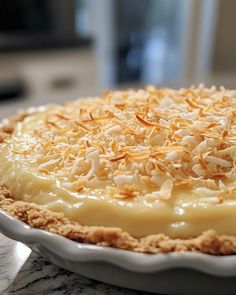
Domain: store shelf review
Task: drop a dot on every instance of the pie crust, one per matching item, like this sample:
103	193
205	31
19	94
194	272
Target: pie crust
208	242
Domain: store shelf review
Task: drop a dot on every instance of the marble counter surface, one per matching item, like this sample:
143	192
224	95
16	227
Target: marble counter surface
40	277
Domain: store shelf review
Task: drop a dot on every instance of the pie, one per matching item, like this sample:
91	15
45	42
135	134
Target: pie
151	170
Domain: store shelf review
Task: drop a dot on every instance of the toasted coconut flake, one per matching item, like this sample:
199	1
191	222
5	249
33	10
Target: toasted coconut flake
113	146
192	104
24	152
91	116
218	161
161	166
198	170
118	158
166	189
120	106
79	189
127	192
184	182
121	180
220	199
63	117
93	156
88	143
213	124
145	123
49	164
167	149
53	124
109	116
218	176
138	155
228	151
225	133
203	163
82	126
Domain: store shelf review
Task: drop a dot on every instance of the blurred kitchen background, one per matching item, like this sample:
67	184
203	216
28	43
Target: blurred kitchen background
58	50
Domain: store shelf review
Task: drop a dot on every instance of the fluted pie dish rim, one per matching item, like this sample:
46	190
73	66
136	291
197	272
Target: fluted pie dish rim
224	266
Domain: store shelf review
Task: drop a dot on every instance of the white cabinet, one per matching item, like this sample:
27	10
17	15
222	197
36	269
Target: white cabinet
50	76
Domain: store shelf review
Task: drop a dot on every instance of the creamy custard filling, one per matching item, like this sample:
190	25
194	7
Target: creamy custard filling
148	161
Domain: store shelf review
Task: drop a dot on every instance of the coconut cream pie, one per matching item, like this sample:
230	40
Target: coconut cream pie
150	170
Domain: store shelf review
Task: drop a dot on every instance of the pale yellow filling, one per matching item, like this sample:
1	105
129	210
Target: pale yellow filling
187	213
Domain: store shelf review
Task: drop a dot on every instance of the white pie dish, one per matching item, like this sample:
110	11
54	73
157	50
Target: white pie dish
176	273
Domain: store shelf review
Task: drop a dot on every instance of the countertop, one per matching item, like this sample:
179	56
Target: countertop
38	276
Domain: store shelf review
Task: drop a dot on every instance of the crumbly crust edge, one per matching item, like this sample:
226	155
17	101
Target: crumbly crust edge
208	242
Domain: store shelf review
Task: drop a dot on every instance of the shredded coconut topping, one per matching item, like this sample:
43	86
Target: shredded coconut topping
137	143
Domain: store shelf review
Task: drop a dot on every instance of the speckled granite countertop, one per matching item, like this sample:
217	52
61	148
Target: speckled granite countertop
38	276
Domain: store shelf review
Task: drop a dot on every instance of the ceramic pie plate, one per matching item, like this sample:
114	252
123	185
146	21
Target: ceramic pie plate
175	273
